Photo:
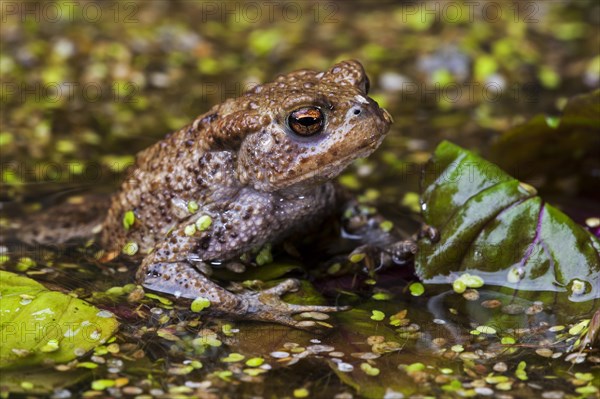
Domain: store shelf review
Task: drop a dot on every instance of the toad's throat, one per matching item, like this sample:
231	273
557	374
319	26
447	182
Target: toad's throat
331	170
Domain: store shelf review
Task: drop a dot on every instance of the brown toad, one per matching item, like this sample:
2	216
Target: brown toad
250	171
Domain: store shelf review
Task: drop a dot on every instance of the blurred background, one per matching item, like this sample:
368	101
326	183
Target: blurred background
85	84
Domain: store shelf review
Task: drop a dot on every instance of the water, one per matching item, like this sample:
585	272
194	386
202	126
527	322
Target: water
171	61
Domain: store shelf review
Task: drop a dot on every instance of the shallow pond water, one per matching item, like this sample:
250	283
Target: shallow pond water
156	65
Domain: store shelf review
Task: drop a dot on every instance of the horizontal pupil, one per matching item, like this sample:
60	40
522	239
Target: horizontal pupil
307	121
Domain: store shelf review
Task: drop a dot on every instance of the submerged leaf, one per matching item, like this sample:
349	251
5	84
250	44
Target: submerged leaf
495	227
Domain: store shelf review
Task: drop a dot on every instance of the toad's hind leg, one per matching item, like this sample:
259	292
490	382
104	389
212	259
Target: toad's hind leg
75	220
183	280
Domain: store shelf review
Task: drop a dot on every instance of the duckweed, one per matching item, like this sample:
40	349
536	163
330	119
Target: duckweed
233	357
416	289
255	362
377	315
369	370
193	207
131	248
301	393
199	304
128	219
203	222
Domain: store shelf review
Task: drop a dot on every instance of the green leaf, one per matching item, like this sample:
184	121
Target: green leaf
416	289
39	325
495	227
377	315
203	222
128	219
199	304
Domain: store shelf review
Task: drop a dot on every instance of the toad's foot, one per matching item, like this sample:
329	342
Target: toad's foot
267	305
182	280
402	252
374	258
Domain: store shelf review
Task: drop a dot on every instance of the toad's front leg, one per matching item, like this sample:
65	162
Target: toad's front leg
183	280
208	236
382	244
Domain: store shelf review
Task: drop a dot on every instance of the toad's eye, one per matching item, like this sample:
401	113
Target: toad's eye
306	121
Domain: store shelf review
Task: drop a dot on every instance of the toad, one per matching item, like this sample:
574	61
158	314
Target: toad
250	171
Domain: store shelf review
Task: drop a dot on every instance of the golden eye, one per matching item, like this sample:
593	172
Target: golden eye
306	121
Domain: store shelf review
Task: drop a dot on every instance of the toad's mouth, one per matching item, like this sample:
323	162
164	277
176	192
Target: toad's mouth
332	169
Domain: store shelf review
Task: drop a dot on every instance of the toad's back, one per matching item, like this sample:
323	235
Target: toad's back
248	172
252	149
